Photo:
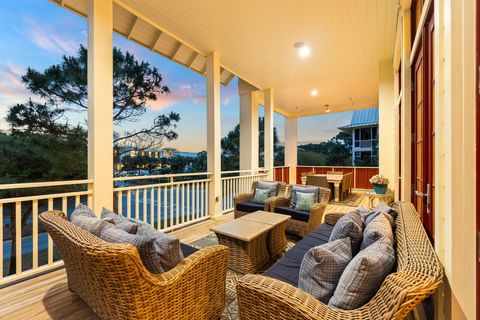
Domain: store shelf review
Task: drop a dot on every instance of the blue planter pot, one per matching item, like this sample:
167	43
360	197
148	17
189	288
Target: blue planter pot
380	188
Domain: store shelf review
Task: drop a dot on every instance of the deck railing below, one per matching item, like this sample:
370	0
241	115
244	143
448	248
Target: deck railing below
237	182
166	202
26	248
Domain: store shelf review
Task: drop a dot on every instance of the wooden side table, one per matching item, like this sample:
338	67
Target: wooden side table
276	239
387	198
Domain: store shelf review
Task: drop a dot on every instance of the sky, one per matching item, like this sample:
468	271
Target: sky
38	33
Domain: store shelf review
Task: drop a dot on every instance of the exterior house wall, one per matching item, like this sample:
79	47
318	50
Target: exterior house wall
386	131
454	155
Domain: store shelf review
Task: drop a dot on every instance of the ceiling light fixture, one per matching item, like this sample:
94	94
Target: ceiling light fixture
314	92
302	49
327	108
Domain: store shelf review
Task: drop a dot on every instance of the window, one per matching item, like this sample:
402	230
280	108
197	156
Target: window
374	133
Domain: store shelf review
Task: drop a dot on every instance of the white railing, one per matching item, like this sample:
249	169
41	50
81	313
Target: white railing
166	202
26	248
236	182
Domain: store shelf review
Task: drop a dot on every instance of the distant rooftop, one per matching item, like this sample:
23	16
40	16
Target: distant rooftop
362	118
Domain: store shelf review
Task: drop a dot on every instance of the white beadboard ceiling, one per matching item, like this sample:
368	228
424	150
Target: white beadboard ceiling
348	39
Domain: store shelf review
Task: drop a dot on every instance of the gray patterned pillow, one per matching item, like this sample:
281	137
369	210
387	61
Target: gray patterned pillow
268	185
167	247
93	224
369	215
144	244
349	226
377	229
322	267
304	189
363	276
82	210
119	221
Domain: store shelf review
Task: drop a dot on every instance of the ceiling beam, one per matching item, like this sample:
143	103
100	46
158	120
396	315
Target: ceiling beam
175	51
132	26
192	60
156	40
230	77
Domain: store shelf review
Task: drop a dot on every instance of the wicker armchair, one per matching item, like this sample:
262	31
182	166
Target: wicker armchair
417	276
301	224
246	206
112	280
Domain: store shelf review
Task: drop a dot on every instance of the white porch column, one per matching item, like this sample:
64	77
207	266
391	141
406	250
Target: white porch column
406	134
213	134
386	123
268	133
248	126
291	148
100	102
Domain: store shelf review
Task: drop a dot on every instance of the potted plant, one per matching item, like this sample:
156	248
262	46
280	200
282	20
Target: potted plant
380	183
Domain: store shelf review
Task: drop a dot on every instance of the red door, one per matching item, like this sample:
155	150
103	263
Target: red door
423	138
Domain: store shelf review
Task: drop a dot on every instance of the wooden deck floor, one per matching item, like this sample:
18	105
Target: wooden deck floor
48	297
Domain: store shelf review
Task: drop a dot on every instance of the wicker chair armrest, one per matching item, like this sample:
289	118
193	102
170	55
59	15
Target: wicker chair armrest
195	264
278	201
261	297
275	201
316	215
332	217
242	197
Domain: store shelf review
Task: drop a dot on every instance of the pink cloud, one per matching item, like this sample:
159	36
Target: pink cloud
184	92
48	39
11	88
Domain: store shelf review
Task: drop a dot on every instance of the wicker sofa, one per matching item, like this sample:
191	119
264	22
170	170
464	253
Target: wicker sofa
112	280
417	276
243	205
301	223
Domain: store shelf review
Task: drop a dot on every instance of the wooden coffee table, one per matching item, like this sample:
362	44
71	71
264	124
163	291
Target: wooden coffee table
276	239
247	241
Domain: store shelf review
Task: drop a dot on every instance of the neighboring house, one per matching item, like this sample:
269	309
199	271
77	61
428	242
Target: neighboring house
364	131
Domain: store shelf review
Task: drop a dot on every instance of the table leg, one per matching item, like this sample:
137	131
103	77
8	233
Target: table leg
337	191
276	240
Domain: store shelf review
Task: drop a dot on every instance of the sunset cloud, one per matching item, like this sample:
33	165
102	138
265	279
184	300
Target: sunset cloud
48	39
182	93
11	88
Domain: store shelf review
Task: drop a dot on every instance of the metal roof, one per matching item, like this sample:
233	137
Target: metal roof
363	118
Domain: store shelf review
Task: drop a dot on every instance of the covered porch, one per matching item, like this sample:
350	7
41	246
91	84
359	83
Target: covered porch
359	56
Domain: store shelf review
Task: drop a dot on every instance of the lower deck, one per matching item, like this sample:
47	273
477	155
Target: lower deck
48	296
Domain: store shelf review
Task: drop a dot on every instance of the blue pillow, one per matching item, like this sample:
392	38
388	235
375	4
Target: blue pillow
304	189
305	201
261	195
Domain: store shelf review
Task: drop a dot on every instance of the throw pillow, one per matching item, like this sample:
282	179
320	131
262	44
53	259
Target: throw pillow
119	221
261	195
382	207
93	225
305	201
144	244
304	189
82	210
363	276
377	229
268	185
349	226
322	267
167	247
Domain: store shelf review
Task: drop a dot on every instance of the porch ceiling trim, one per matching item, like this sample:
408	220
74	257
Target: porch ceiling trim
132	25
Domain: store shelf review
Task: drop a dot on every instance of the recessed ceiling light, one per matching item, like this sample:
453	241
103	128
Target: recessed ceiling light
314	92
302	49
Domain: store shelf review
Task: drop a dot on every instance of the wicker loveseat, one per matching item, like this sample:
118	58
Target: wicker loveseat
244	205
112	280
301	223
417	275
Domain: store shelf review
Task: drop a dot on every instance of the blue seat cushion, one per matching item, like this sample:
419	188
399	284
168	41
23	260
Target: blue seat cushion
295	214
249	206
287	269
187	250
